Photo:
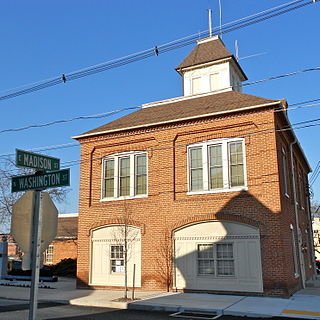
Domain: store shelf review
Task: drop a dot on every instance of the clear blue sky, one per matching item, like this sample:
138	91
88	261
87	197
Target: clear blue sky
42	39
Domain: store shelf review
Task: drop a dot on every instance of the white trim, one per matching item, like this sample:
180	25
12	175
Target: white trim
67	215
235	189
284	165
207	39
116	177
204	145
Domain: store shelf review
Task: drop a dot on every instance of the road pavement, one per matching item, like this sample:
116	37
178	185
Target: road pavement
62	300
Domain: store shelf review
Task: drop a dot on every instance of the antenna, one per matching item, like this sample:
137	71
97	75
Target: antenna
237	49
210	22
220	13
246	57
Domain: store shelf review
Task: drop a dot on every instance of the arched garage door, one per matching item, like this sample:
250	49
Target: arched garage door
218	255
107	255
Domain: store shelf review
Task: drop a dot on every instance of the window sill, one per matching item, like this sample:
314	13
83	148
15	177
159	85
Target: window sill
124	198
217	191
211	276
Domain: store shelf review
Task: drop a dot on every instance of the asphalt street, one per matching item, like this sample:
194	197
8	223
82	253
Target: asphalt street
19	310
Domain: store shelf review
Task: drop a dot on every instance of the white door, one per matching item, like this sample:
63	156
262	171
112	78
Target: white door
107	256
218	255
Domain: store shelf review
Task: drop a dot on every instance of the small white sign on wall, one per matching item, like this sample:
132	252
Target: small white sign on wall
119	268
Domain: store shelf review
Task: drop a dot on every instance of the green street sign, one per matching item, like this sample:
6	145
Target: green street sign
42	181
36	161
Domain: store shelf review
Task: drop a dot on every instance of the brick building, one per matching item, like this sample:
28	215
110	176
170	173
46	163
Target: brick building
209	189
64	246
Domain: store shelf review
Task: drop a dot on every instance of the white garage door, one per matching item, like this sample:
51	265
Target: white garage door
107	256
218	255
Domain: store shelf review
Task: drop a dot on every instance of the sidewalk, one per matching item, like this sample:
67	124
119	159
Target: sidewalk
304	304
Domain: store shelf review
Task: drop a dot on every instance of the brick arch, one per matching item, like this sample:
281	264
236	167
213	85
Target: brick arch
111	221
219	216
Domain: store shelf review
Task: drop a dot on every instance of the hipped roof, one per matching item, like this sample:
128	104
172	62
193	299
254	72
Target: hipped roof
175	110
208	50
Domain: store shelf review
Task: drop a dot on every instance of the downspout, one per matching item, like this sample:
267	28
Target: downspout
296	210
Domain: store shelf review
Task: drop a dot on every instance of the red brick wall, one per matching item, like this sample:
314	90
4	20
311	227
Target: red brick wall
64	250
168	206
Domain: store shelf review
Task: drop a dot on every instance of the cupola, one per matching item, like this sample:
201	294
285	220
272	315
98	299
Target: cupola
210	67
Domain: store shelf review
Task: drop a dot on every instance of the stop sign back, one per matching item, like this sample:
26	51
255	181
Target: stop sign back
22	219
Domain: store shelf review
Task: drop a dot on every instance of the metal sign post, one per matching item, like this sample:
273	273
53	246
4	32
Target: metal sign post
35	264
41	203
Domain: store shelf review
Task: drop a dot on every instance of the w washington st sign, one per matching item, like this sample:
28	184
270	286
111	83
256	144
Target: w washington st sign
41	181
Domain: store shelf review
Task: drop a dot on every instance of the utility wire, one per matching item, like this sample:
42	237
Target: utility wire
294	126
110	113
74	144
226	28
95	116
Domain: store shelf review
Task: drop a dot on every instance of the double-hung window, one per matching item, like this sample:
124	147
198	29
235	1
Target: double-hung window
217	165
124	175
284	171
117	258
215	259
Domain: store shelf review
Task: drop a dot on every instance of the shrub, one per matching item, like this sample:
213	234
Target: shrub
66	268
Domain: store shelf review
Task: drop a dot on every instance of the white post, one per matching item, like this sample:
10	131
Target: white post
35	264
220	13
210	22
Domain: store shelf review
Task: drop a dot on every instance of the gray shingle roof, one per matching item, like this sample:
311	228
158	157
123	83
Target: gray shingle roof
67	228
180	110
204	52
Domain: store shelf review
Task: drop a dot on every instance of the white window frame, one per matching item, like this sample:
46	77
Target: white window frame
200	84
284	171
225	166
121	259
217	74
49	254
301	189
215	260
116	194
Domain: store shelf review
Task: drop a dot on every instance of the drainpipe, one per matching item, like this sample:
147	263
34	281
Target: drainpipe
296	210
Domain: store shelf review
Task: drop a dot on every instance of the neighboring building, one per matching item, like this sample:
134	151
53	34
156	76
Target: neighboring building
316	237
13	249
214	179
64	246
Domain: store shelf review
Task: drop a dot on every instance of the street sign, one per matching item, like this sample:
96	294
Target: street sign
36	161
41	181
34	217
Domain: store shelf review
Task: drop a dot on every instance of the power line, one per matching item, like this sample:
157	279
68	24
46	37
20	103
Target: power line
95	116
73	144
110	113
226	28
315	174
298	125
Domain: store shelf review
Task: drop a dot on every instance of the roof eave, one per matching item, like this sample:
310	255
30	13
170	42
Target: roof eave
204	64
176	120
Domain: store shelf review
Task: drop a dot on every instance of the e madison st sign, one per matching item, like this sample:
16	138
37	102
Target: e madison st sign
41	181
36	161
